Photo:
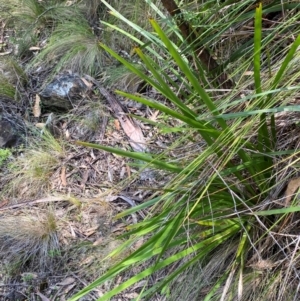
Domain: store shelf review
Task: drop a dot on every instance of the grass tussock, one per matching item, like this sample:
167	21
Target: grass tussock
30	174
119	77
37	15
29	239
12	78
12	71
7	90
73	46
222	217
69	35
34	21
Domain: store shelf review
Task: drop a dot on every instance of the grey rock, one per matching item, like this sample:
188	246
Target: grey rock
11	130
63	92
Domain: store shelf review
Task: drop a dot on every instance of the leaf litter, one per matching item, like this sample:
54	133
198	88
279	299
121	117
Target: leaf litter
87	188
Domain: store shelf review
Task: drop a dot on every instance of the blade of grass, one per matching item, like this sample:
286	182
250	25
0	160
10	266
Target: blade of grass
245	114
264	143
285	63
133	155
205	247
187	71
202	93
257	47
277	211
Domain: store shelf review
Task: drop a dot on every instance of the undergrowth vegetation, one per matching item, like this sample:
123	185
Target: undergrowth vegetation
223	76
28	240
223	215
30	174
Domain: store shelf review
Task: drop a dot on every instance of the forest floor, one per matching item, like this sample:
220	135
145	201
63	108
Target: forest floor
59	199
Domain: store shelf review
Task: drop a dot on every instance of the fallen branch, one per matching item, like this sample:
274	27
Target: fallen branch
131	129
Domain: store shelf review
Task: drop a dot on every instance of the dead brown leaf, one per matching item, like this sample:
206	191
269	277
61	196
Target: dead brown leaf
131	129
128	170
3	203
291	189
248	73
66	290
87	83
138	243
36	110
90	231
34	48
67	281
98	242
6	52
72	231
119	228
40	125
63	176
67	134
135	134
117	124
131	295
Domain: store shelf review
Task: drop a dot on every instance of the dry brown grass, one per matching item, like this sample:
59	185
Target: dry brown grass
30	173
28	239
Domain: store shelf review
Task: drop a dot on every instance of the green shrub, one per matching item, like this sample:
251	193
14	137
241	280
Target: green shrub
4	155
221	217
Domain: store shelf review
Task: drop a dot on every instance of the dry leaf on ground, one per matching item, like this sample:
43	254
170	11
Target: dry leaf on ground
35	48
291	189
36	110
131	129
67	281
63	176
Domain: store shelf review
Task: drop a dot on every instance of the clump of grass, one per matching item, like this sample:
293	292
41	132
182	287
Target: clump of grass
12	78
34	21
7	8
12	71
221	216
70	34
33	13
28	239
121	78
7	90
30	173
74	43
42	15
73	46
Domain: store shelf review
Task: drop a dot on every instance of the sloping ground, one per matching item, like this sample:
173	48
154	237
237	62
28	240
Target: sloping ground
59	199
